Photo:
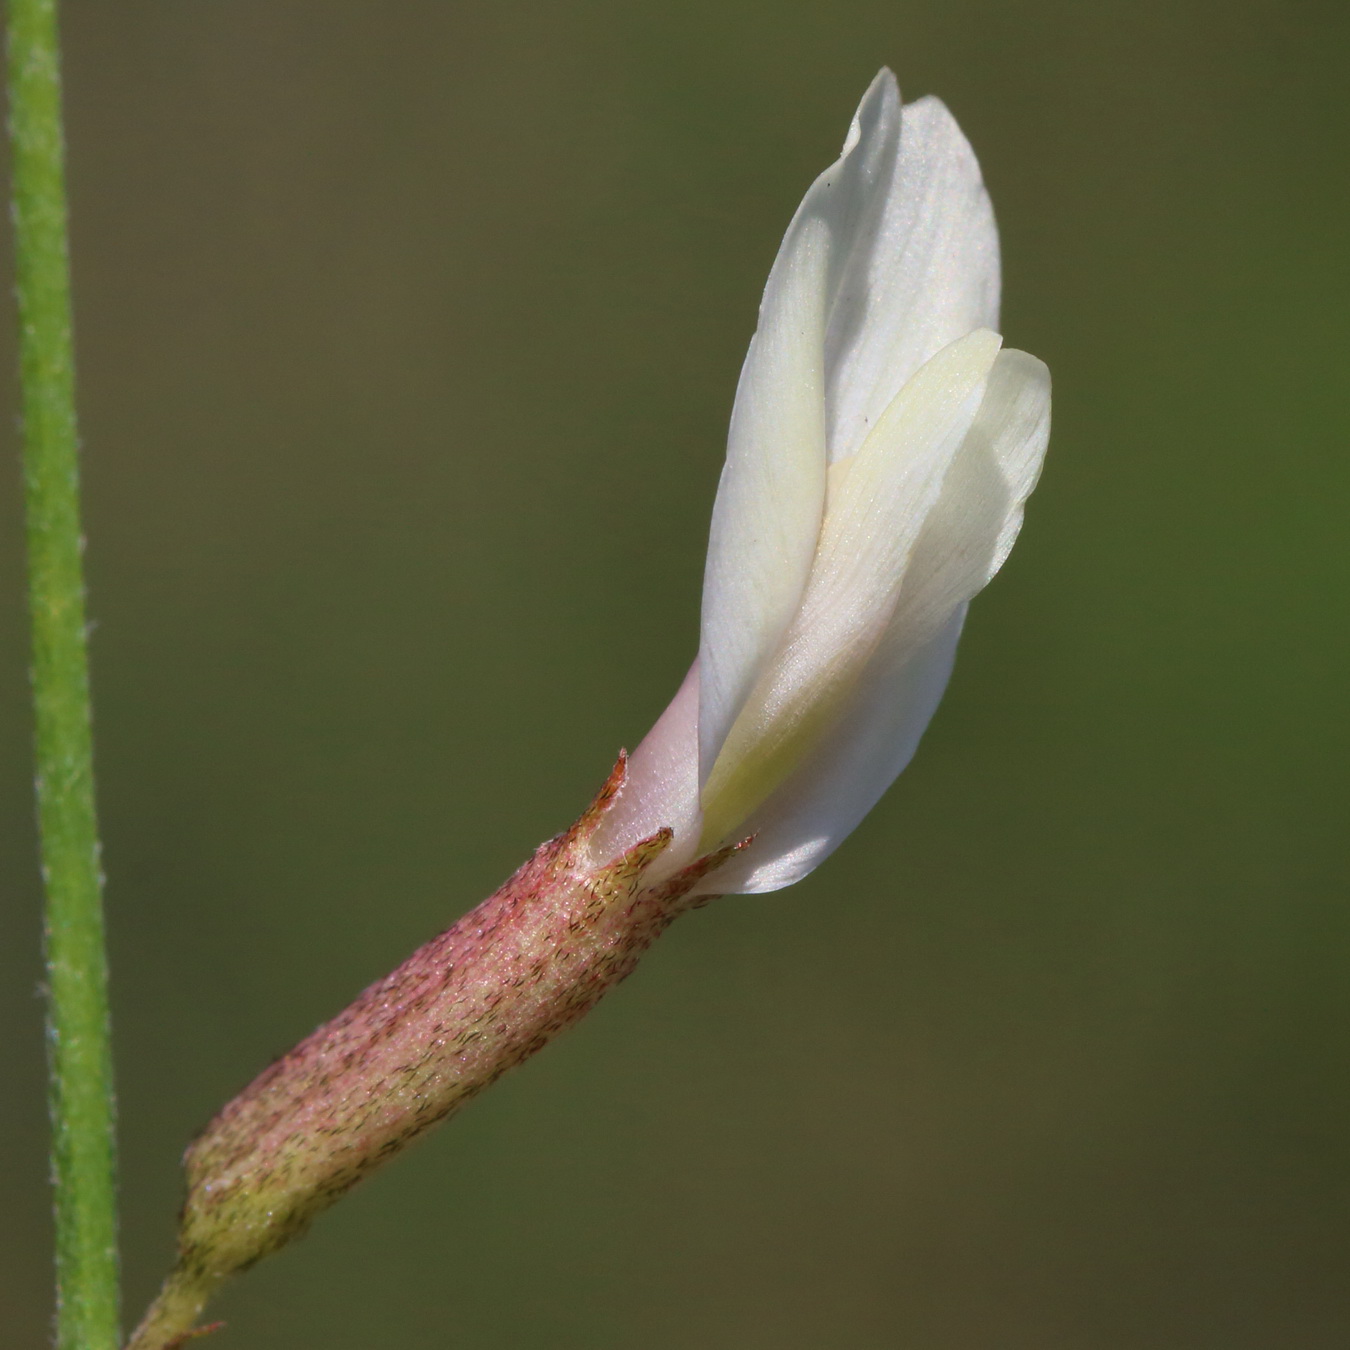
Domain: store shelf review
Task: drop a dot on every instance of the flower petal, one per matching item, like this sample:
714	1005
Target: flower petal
965	539
660	789
929	275
818	808
879	500
968	534
772	493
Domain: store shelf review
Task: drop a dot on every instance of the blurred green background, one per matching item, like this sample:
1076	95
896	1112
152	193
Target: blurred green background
408	335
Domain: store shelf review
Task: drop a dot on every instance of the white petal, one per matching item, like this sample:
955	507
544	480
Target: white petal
969	533
929	275
815	811
661	788
879	500
964	541
771	497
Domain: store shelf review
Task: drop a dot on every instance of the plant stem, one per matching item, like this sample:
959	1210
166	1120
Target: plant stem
80	1061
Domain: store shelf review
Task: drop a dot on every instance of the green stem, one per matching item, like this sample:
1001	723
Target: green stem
81	1074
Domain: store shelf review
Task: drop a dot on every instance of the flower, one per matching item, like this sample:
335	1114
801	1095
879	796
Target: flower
881	448
882	445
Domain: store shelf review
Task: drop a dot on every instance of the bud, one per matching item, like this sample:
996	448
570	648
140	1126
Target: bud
412	1049
883	443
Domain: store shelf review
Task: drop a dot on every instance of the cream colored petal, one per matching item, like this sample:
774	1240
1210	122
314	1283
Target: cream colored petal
878	503
771	497
801	824
929	275
968	535
964	540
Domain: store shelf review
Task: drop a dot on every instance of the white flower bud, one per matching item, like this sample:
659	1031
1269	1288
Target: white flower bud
880	452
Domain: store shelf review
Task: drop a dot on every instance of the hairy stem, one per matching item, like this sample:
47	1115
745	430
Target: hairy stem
81	1075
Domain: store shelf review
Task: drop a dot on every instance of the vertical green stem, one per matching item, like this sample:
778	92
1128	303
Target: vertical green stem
81	1075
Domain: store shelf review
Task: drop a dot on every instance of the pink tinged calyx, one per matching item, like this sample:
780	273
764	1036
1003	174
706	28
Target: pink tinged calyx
415	1047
